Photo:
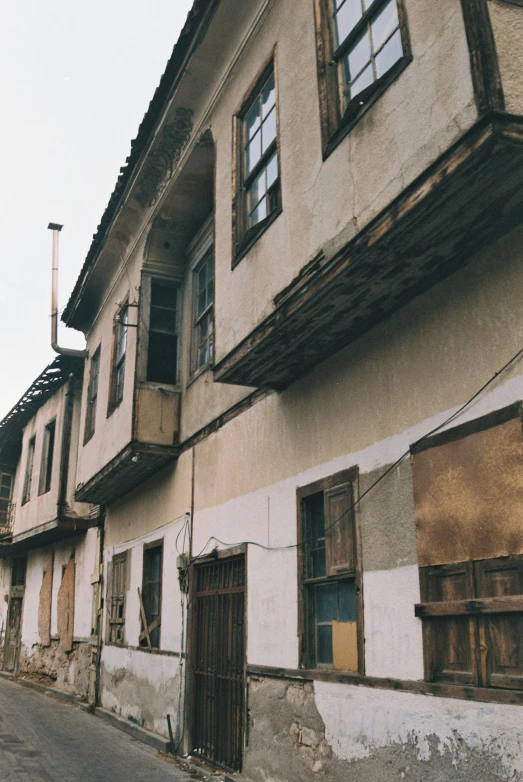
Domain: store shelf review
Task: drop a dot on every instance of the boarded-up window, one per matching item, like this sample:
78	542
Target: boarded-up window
45	602
119	587
468	490
329	583
66	607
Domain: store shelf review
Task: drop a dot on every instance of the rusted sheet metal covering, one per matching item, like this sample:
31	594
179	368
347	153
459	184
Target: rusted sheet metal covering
66	607
44	605
469	496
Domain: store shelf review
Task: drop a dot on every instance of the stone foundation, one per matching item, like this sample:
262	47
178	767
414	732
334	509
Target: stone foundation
67	671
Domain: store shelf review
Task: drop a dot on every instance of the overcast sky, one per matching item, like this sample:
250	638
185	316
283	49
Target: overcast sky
76	81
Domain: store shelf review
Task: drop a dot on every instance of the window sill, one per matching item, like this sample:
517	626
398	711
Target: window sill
198	373
247	243
459	691
347	124
89	437
112	408
161	652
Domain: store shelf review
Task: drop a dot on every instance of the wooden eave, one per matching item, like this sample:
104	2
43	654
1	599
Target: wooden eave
471	196
132	466
51	532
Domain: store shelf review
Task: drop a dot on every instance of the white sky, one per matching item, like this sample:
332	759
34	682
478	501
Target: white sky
76	81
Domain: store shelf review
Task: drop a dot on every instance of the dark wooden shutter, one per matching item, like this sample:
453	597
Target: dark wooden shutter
450	643
501	634
339	529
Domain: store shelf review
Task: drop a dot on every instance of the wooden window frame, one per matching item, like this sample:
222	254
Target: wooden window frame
29	468
306	644
337	121
116	396
92	395
144	322
118	599
144	642
473	613
244	237
203	257
47	459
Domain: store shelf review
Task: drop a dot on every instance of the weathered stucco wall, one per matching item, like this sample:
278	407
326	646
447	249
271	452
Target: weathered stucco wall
426	109
507	23
356	733
69	670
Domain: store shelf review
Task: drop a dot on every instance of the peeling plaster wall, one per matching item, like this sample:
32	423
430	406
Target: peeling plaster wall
70	671
139	685
344	732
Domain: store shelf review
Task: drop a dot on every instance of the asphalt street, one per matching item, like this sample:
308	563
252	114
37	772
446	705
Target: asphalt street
43	738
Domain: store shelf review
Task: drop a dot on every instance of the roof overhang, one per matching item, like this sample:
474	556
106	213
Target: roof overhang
51	532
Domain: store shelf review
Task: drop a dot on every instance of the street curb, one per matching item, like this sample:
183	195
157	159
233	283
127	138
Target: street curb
142	734
41	688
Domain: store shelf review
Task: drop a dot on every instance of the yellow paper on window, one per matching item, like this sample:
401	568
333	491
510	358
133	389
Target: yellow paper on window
345	646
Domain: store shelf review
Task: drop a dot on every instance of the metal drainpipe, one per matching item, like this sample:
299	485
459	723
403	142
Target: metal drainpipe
66	448
56	228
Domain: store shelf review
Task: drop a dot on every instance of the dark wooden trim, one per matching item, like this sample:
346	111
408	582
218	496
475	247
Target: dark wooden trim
329	482
511	2
463	692
485	605
488	421
486	76
224	553
217	423
257	231
65	450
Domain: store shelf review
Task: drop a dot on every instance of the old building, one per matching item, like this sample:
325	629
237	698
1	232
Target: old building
48	551
301	411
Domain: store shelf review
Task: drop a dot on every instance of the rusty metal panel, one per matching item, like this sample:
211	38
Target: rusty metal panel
219	662
45	602
469	496
66	607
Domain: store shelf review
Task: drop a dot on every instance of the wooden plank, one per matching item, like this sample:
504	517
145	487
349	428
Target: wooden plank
144	619
148	630
486	76
485	605
66	595
345	645
45	602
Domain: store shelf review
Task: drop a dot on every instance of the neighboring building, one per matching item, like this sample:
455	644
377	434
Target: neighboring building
49	553
296	307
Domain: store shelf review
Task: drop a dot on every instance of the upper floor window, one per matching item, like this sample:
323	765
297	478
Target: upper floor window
151	596
330	604
46	465
258	185
28	478
119	350
362	46
92	395
6	489
162	353
203	309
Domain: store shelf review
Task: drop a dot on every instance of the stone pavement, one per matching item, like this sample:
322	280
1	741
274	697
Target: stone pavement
43	739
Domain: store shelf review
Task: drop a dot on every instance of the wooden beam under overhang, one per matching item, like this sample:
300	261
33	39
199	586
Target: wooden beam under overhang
471	196
132	466
51	532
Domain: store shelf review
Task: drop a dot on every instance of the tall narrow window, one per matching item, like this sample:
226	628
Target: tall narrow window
118	369
46	465
162	354
117	605
259	182
92	395
151	597
26	494
6	491
330	575
203	337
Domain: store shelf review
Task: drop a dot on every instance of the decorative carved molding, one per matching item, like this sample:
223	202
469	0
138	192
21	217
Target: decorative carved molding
163	160
206	140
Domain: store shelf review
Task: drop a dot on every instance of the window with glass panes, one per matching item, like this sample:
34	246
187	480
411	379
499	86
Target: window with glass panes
368	42
203	336
260	167
120	346
162	353
330	576
28	478
6	491
46	464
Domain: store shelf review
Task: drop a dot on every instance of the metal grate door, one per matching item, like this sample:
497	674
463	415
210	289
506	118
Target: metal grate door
219	687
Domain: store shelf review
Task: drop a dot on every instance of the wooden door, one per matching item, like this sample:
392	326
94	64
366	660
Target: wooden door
219	662
13	634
